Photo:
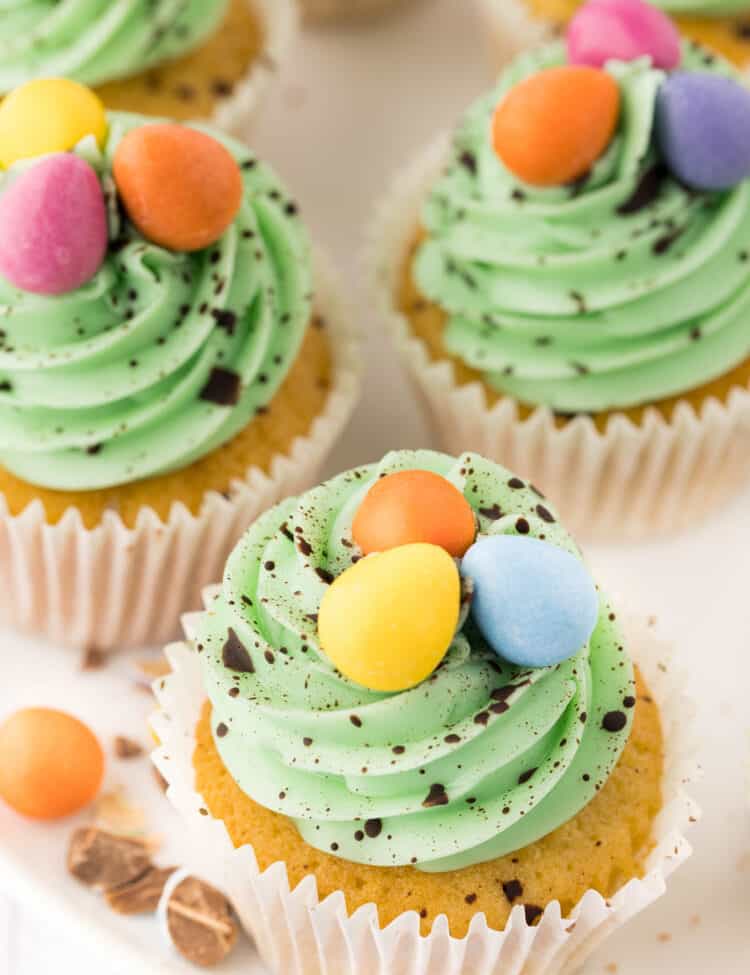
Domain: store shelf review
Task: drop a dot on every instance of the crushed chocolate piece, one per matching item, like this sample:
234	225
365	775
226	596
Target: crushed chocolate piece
93	659
103	860
200	923
140	896
126	748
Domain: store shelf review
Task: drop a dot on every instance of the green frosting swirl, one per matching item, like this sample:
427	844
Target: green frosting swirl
618	291
93	41
162	356
481	759
704	7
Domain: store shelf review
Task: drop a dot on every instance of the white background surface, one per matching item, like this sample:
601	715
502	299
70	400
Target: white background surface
350	109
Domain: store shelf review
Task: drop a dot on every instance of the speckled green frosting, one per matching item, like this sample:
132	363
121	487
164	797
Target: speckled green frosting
621	290
481	759
98	40
703	7
162	356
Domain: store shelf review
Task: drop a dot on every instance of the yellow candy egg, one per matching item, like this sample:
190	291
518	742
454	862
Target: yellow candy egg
48	115
387	622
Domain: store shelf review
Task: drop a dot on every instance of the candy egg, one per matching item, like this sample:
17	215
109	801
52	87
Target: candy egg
181	187
535	604
703	129
48	115
51	765
551	128
414	506
623	30
387	622
53	226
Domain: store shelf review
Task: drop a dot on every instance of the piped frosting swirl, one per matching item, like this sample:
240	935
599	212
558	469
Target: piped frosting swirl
479	760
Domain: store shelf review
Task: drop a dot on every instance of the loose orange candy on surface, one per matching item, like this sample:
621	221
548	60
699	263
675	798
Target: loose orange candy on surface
414	506
551	128
180	187
51	764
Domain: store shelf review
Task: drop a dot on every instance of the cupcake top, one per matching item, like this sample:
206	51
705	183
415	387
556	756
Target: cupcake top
413	664
590	237
94	41
155	285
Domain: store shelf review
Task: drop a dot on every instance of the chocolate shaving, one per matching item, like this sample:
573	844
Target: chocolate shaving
104	861
222	388
126	748
140	896
93	659
200	923
235	655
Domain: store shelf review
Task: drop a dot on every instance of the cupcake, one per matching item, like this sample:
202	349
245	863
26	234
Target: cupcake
325	11
205	59
568	280
408	716
721	25
171	362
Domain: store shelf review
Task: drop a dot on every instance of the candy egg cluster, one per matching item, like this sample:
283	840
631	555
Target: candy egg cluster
387	622
552	127
180	187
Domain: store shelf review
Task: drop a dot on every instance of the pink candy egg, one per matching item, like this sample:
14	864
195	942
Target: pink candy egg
622	30
53	226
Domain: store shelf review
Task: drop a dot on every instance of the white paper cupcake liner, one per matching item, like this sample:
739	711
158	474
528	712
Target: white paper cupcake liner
629	481
111	586
279	20
323	11
298	934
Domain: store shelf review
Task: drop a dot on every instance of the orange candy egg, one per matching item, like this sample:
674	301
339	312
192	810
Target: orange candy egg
410	507
51	765
180	187
551	128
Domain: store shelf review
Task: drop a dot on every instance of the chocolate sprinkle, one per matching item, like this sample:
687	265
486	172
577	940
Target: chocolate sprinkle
646	192
235	655
373	828
614	721
222	388
436	797
525	776
532	913
513	889
221	730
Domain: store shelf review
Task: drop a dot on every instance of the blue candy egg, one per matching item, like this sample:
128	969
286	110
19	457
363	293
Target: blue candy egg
703	129
535	604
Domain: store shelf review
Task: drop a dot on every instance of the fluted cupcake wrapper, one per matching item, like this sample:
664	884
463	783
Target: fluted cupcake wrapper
322	11
298	934
629	481
113	586
280	21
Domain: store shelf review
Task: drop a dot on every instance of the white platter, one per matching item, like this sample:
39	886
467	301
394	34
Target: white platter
353	107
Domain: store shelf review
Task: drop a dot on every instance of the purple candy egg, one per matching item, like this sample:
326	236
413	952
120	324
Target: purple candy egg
622	30
703	129
53	226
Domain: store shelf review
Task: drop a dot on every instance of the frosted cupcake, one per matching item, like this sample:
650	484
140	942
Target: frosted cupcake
568	282
721	25
195	59
419	700
170	363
